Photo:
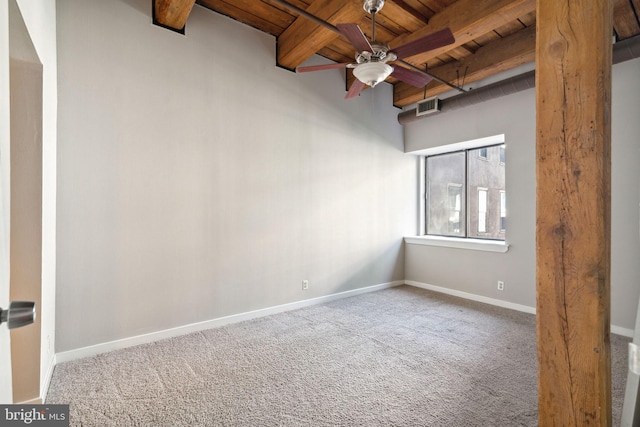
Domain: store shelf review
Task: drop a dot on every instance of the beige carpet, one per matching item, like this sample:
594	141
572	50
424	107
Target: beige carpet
398	357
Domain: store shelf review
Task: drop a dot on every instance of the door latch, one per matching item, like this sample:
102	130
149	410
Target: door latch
20	313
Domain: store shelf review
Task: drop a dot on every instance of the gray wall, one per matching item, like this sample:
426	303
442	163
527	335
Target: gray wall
198	180
514	115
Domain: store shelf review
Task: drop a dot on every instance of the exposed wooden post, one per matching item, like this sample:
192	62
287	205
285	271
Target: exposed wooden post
573	97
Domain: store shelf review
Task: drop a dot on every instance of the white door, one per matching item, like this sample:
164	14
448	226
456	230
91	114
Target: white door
6	391
20	198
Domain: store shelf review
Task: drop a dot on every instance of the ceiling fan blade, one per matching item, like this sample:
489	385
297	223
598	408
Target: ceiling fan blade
321	67
425	44
411	77
355	35
355	89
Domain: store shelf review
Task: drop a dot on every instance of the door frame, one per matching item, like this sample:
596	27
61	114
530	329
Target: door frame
6	388
21	141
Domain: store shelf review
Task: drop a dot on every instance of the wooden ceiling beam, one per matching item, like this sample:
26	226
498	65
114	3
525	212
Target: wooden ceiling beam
467	20
304	38
625	22
636	6
257	14
400	11
500	55
172	14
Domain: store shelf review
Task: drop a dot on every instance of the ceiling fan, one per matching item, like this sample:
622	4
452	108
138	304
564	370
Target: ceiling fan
371	58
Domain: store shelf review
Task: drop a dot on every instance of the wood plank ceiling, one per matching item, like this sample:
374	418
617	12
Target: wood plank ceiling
491	35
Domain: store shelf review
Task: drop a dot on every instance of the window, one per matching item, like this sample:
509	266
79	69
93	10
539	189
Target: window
465	193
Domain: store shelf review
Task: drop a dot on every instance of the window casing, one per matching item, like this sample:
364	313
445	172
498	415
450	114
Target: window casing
465	193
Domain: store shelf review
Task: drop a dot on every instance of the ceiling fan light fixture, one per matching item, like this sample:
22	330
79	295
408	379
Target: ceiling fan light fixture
372	73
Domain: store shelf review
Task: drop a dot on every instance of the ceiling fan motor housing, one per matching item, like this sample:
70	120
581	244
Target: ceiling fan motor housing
373	6
380	54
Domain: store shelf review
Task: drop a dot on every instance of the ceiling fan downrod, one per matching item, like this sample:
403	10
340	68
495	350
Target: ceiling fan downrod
373	7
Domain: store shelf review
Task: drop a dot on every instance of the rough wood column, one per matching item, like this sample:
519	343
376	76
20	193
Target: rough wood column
573	97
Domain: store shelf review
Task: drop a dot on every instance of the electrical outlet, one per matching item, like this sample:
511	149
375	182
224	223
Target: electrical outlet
305	285
500	285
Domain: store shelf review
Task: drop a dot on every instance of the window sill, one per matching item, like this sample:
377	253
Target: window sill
453	242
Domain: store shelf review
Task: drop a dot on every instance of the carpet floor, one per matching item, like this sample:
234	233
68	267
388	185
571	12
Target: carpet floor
398	357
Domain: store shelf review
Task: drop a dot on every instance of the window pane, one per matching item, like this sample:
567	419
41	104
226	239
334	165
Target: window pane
503	210
486	180
482	210
446	194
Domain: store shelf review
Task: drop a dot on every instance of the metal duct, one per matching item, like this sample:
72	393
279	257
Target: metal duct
626	50
622	51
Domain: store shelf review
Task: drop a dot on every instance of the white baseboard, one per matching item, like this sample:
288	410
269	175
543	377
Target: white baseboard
473	297
79	353
44	386
618	330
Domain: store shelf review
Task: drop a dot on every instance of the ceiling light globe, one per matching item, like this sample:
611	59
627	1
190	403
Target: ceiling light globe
372	73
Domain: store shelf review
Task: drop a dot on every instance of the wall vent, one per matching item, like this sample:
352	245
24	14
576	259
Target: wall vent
428	106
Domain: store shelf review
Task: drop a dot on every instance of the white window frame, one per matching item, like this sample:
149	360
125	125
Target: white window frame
500	246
